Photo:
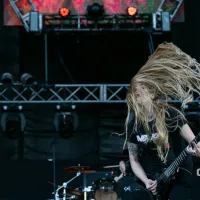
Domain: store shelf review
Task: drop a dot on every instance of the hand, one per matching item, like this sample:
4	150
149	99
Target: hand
116	179
195	150
151	186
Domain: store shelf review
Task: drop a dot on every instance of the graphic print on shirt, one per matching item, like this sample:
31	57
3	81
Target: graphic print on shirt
145	138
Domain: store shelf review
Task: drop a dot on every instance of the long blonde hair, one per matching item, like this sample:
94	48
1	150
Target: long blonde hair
169	71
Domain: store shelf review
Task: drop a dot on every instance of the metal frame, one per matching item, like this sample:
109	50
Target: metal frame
66	93
88	93
25	18
116	22
172	15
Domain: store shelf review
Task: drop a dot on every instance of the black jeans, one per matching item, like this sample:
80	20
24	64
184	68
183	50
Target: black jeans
181	185
129	189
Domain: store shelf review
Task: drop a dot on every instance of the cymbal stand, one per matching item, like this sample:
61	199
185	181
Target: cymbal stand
85	185
64	186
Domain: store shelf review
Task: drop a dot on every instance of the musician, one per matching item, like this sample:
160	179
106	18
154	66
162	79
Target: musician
122	170
153	125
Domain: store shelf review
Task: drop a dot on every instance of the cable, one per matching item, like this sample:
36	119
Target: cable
65	67
62	61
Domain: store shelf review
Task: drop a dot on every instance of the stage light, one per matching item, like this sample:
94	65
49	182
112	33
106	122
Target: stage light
131	11
7	78
95	10
65	121
27	79
13	121
64	12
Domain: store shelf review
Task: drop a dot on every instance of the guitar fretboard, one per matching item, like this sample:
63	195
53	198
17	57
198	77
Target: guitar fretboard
178	161
174	166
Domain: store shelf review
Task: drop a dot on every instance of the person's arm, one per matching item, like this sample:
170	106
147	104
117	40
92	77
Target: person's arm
116	179
135	165
188	135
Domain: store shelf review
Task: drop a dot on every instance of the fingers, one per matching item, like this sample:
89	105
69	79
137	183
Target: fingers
154	192
152	185
116	179
153	189
195	150
191	150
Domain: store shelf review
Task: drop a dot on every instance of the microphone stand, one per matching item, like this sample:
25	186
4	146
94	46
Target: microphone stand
54	166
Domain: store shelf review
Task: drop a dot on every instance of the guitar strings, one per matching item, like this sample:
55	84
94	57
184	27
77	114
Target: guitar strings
177	162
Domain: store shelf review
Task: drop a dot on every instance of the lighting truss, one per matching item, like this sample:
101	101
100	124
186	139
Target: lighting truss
162	8
24	17
83	23
115	22
89	93
66	93
174	11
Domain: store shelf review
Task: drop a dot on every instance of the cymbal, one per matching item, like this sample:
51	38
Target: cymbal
74	192
82	169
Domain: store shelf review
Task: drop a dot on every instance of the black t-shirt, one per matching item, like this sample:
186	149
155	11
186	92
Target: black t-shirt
147	151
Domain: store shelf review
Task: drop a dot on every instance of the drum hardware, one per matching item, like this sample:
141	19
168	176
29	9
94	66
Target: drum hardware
83	170
64	186
102	189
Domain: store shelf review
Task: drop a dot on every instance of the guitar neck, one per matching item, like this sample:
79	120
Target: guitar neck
174	166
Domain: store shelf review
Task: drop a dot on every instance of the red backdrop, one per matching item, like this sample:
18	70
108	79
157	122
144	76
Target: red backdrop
79	6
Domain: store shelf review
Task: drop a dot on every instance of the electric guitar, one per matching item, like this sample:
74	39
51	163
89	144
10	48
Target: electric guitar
163	180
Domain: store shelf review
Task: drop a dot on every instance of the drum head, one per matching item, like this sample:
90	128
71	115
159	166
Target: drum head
102	195
105	189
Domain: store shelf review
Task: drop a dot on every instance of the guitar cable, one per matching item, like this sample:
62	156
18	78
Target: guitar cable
185	170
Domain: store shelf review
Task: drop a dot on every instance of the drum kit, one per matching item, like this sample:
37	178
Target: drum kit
103	188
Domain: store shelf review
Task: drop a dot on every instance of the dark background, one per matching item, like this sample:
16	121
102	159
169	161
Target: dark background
89	59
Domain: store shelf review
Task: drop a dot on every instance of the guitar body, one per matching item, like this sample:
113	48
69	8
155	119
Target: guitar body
163	190
165	176
163	187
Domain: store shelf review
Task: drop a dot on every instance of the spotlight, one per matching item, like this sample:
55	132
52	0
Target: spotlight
27	79
64	12
7	78
13	121
65	120
95	10
131	11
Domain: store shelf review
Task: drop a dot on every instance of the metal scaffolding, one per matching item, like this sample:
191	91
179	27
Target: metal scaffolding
77	93
41	19
67	93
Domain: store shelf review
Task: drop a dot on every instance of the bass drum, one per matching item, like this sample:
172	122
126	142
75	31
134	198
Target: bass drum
105	189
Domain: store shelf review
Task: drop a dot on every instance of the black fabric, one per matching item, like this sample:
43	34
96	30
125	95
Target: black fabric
147	148
130	189
181	186
150	161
